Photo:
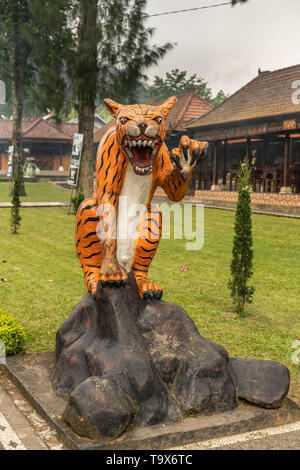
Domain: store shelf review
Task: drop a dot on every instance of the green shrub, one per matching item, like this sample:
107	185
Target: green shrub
12	334
77	200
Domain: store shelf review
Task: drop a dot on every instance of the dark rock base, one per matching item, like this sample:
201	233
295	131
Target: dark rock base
124	362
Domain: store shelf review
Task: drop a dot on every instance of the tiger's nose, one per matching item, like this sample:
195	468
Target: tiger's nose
142	126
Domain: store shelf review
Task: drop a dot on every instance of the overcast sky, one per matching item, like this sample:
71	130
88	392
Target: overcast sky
225	45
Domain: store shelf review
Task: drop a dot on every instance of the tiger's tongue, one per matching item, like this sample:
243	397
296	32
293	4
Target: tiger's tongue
142	157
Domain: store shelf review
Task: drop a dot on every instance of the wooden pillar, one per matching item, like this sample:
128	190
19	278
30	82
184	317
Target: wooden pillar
265	157
224	164
285	189
215	186
248	149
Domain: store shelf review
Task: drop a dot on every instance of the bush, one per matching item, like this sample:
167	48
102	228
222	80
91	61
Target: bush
77	200
12	334
242	252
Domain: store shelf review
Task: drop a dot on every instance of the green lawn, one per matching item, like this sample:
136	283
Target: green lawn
37	192
44	252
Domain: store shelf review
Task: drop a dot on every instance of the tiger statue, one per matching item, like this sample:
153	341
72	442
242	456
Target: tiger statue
132	161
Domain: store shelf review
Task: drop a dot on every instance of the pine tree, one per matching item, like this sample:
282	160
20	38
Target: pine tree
15	210
15	70
98	49
242	252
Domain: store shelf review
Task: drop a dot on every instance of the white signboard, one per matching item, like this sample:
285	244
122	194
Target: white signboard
10	164
75	160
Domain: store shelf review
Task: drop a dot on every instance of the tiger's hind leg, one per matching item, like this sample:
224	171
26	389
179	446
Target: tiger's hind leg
88	244
146	247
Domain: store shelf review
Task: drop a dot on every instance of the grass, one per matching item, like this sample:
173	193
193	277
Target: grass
37	192
44	281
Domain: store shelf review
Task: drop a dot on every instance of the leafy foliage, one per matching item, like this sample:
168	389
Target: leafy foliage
77	200
67	60
242	252
177	83
12	334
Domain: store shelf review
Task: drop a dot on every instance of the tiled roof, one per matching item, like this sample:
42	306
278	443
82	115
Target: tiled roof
39	129
189	106
267	95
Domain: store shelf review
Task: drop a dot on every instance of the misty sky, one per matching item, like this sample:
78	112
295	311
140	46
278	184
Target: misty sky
225	45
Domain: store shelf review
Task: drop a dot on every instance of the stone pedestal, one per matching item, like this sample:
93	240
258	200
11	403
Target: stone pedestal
124	362
215	187
285	190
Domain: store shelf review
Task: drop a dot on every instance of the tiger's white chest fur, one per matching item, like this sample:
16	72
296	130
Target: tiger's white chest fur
132	203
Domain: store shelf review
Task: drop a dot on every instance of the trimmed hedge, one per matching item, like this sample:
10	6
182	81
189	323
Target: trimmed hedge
12	334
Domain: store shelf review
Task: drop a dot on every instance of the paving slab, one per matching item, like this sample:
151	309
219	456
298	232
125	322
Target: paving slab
15	431
6	205
32	374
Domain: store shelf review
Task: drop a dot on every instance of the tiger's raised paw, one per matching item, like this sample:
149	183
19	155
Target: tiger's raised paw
187	155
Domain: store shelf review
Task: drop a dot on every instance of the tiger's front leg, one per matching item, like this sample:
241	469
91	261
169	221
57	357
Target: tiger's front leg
149	236
111	272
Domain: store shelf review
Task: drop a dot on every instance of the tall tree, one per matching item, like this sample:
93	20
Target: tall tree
178	83
15	70
107	56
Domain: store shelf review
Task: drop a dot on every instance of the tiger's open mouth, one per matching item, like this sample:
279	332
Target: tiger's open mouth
141	151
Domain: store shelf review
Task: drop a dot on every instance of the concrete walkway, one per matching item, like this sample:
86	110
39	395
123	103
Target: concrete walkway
195	202
21	428
6	205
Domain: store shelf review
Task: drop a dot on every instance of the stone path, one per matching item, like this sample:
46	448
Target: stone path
6	205
190	201
21	428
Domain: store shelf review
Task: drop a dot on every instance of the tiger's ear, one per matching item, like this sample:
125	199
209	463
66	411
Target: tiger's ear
168	105
112	106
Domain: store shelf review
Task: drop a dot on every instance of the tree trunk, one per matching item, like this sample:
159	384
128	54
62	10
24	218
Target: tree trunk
19	55
87	85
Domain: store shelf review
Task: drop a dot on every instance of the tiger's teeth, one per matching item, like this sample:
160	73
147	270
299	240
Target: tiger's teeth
145	143
125	143
150	143
139	143
129	143
133	143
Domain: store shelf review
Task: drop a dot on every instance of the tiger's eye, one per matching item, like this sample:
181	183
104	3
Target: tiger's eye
158	119
123	120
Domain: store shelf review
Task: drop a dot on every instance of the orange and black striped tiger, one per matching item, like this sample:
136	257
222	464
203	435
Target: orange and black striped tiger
132	161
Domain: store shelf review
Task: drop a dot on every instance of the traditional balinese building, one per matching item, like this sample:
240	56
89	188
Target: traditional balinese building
49	143
189	106
261	121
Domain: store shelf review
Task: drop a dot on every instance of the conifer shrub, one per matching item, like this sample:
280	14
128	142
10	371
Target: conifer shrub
242	252
77	200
